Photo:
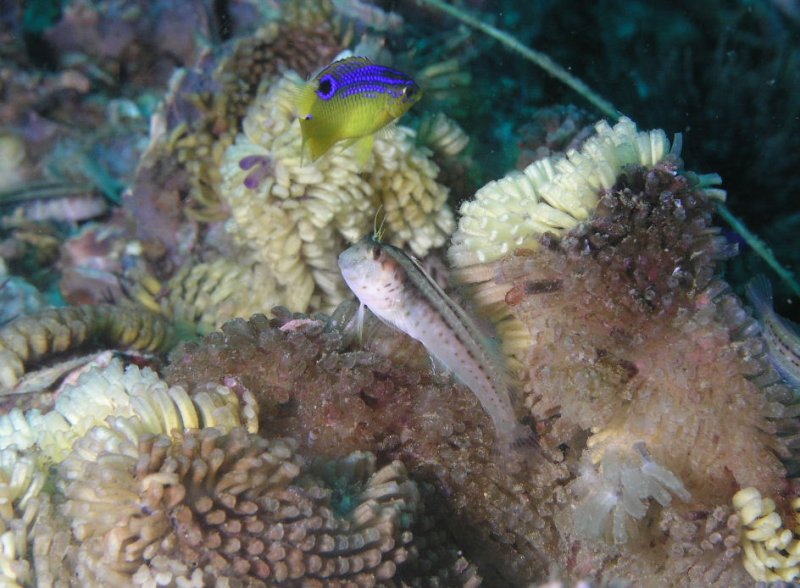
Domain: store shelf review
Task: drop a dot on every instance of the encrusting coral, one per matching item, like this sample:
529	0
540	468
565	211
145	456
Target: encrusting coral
203	506
551	195
600	267
104	402
312	385
113	391
296	217
56	330
157	485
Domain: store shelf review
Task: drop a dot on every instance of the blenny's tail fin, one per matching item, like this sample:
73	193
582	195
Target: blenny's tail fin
519	449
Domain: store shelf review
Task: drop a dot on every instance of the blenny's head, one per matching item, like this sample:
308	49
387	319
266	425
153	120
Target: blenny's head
362	260
367	267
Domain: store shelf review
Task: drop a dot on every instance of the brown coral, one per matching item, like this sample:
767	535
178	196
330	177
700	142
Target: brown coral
639	337
314	386
642	375
207	505
639	359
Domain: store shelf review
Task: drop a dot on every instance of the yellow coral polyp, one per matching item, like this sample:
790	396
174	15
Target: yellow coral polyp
442	135
295	217
551	194
770	552
137	394
20	484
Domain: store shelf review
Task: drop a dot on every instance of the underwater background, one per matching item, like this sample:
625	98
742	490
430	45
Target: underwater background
190	395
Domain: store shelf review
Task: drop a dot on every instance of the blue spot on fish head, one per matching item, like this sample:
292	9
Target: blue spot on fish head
326	87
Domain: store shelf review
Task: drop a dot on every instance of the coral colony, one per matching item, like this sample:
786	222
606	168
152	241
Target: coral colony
215	408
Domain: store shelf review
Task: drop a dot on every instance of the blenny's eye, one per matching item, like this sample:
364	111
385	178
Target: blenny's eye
376	252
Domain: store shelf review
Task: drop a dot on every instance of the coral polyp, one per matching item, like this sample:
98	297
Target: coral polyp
205	506
216	409
771	549
57	330
551	194
295	216
602	274
619	486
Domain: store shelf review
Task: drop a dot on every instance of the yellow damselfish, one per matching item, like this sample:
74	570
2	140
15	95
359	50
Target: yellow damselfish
350	100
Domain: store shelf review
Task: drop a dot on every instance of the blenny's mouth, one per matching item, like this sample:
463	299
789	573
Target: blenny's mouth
349	263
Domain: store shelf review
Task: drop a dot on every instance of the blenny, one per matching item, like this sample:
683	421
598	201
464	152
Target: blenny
397	290
351	99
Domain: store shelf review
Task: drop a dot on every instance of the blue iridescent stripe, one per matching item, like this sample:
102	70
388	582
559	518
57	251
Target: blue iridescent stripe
368	79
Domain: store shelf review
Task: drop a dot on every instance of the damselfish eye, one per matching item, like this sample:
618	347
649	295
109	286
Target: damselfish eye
409	91
326	87
376	252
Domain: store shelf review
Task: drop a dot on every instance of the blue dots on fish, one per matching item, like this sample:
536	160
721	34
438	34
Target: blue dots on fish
349	101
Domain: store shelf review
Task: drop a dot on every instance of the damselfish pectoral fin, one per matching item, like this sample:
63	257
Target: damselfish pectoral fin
363	149
389	132
318	146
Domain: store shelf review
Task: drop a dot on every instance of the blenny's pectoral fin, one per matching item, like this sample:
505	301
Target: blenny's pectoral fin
438	367
360	313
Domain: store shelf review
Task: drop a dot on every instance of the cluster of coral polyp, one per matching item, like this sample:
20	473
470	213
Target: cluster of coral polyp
644	376
639	364
208	505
